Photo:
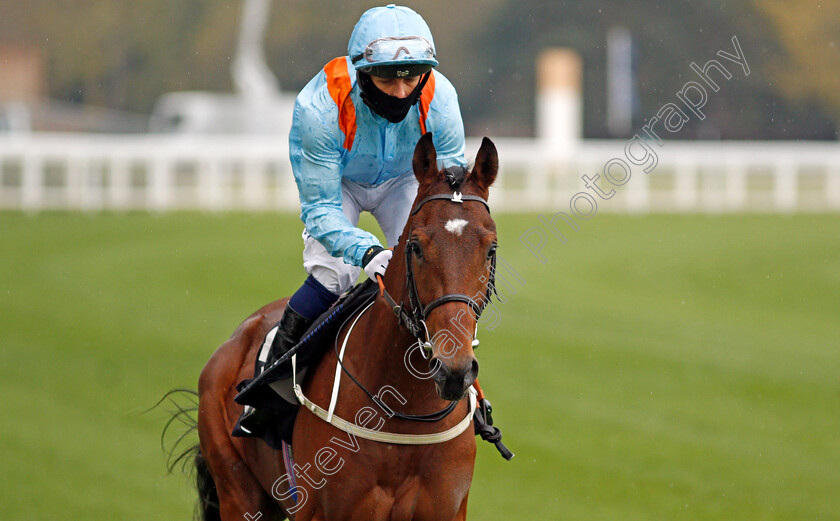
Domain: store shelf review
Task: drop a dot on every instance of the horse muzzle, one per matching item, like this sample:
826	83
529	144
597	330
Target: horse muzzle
453	381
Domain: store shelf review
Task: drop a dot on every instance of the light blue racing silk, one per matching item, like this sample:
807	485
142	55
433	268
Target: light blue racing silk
335	135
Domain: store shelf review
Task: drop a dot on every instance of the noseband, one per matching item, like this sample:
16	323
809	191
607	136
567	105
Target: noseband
415	318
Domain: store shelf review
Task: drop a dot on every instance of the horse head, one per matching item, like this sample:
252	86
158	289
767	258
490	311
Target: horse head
449	251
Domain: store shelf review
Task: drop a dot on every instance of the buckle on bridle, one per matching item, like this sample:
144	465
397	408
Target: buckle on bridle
426	346
457	197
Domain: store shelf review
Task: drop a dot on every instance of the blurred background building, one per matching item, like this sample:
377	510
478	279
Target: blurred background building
561	86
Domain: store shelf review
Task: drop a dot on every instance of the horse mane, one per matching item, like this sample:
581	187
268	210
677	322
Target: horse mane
455	176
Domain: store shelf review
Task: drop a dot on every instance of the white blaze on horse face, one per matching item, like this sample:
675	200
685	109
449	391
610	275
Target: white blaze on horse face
456	226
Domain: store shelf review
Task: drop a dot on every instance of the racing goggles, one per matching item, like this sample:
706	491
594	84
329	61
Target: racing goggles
397	49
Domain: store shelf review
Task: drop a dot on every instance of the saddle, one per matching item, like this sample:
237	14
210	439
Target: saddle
261	394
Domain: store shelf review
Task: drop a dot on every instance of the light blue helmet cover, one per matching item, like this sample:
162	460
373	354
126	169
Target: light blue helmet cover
391	35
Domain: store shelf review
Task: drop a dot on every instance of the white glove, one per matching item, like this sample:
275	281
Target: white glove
377	262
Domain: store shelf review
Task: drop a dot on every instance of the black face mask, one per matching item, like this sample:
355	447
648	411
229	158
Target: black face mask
392	108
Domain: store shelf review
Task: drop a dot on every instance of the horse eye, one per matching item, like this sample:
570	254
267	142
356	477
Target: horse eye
415	249
492	251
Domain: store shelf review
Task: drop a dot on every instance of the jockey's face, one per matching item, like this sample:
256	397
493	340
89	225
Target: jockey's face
397	87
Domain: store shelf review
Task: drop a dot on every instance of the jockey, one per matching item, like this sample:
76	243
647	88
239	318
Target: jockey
351	144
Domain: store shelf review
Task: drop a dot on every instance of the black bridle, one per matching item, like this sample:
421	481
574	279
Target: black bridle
414	319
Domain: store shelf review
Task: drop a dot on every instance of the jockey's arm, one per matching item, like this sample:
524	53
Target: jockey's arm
316	163
446	124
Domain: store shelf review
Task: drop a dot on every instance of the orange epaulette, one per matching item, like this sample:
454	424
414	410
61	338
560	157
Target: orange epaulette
426	98
339	85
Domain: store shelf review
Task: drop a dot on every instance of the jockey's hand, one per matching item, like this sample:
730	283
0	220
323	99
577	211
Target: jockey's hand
375	261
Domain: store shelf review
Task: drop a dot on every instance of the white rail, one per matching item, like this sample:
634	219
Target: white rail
166	172
150	172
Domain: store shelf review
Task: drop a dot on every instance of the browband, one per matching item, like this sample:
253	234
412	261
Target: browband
456	197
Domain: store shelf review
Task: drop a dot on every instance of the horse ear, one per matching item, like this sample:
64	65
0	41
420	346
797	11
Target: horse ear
486	165
425	158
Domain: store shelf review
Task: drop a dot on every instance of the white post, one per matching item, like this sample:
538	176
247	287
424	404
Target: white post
832	187
713	187
118	185
32	184
685	186
210	179
735	185
78	180
159	183
94	179
785	194
638	194
253	185
559	101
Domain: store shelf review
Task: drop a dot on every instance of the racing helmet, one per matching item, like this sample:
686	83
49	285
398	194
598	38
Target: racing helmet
392	41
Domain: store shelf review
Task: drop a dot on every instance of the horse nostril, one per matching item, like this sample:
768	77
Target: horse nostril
439	370
471	374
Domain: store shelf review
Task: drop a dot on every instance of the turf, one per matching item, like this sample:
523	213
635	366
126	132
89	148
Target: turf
653	367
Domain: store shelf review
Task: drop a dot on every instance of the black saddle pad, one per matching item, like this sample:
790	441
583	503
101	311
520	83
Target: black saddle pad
323	331
311	348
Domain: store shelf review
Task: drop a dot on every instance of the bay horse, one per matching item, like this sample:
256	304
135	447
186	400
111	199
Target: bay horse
441	275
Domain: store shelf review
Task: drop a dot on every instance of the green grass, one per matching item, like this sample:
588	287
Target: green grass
657	368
